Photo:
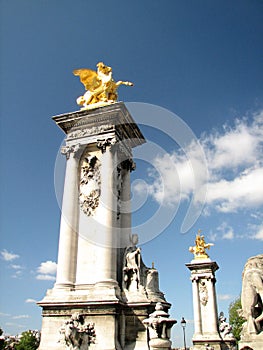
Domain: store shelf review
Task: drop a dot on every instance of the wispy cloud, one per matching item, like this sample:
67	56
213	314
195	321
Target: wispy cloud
45	277
225	296
8	256
20	317
258	233
30	300
12	324
3	314
46	271
16	267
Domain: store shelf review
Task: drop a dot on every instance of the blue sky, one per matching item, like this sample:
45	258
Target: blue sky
198	60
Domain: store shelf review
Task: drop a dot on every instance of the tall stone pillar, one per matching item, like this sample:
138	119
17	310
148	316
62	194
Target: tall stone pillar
68	240
204	304
90	294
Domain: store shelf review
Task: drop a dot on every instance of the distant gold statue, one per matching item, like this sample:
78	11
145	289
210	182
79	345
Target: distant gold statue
100	86
199	250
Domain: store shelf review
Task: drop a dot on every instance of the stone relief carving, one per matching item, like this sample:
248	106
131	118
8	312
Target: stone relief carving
95	130
90	185
76	335
129	165
252	296
203	293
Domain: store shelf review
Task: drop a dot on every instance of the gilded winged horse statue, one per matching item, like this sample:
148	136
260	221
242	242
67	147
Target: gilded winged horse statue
101	89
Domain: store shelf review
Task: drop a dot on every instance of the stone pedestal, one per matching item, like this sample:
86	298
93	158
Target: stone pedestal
205	305
254	342
95	238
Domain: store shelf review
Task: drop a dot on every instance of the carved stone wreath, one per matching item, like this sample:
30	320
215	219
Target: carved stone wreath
90	185
203	293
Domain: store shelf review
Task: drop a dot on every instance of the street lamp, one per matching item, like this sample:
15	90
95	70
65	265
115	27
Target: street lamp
183	324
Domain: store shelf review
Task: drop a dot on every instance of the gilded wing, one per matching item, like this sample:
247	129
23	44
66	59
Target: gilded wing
88	77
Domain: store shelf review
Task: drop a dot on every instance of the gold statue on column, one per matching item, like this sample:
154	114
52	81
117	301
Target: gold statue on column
199	250
101	89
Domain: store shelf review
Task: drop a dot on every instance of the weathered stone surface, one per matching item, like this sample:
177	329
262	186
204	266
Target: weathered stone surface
95	278
252	303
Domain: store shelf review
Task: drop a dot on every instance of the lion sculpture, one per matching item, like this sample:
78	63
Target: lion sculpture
100	86
252	295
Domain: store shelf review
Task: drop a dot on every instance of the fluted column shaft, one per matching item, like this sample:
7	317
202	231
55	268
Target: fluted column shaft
213	324
68	239
107	213
196	305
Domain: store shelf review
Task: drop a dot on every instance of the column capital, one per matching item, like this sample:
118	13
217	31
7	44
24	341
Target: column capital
102	144
128	164
72	150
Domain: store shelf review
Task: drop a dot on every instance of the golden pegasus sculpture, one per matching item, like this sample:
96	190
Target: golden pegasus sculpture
101	89
199	250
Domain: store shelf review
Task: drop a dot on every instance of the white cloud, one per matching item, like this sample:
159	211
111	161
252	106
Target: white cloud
259	233
7	256
224	296
16	267
3	314
234	164
46	271
45	277
244	191
17	274
20	316
47	267
30	300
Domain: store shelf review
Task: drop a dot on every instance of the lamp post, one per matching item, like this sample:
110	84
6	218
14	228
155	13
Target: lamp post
183	324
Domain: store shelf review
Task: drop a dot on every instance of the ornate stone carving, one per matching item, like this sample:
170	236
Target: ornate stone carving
159	325
128	164
252	297
104	143
203	293
90	185
76	335
95	130
70	150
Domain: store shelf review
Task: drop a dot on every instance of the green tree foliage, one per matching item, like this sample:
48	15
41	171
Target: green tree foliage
28	341
235	318
2	339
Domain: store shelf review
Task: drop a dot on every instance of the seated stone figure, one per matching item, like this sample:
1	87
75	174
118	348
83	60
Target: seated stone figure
252	296
137	278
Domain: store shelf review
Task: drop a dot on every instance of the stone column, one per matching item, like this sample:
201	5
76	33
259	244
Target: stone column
196	307
107	214
204	304
68	239
127	166
212	299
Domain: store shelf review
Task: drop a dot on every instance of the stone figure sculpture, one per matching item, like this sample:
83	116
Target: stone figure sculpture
199	250
225	328
76	335
132	268
138	278
159	326
101	87
252	296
